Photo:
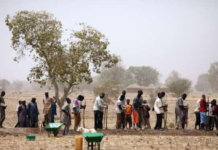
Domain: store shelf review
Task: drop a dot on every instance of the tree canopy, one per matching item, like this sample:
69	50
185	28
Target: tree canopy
178	85
213	76
4	83
144	75
174	75
203	84
40	34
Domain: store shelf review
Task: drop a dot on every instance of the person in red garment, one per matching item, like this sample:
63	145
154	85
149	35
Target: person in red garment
203	109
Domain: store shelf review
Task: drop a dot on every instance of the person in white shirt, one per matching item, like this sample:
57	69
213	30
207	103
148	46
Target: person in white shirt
197	114
120	111
19	103
158	110
98	109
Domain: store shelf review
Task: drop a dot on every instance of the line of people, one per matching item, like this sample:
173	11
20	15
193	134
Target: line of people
27	115
136	116
66	111
206	114
74	109
139	110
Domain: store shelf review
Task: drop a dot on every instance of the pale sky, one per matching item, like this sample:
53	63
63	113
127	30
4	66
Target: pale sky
169	35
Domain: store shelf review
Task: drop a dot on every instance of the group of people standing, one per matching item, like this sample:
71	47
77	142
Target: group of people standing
206	114
74	109
128	115
27	115
139	110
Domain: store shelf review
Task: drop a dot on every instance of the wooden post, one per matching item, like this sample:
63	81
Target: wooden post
106	117
207	113
187	117
84	115
165	116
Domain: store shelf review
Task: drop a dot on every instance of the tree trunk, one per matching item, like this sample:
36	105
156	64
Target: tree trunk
63	98
59	101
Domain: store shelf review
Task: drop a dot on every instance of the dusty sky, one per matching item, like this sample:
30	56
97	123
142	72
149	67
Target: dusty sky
169	35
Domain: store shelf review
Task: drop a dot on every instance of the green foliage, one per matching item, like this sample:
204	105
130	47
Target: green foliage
116	74
40	34
176	84
111	90
203	84
111	81
179	86
174	75
213	76
144	76
4	83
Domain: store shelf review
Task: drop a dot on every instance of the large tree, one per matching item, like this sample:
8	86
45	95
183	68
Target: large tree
4	83
203	84
179	86
143	75
17	85
111	81
41	34
213	76
174	75
117	74
111	90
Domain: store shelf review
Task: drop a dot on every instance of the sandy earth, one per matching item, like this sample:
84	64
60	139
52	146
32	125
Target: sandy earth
15	139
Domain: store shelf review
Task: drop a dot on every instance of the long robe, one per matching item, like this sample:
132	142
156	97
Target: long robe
33	113
23	120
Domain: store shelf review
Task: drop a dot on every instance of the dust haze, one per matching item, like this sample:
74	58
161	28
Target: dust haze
164	34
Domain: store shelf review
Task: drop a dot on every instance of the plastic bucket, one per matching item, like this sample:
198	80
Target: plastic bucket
78	143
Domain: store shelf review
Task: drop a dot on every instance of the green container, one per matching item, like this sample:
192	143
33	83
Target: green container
93	137
31	137
53	127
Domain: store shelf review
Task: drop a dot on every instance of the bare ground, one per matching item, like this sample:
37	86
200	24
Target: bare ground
15	139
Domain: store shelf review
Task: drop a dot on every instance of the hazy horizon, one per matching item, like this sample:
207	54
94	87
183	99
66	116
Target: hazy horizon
165	34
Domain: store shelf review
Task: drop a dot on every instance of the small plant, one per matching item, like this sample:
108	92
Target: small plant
112	91
171	125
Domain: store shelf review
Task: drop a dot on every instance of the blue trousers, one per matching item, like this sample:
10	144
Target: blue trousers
203	117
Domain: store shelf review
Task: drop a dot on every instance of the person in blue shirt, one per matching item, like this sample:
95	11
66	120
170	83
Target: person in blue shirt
53	111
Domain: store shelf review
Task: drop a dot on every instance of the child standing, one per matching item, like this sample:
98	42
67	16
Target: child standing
128	114
146	116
